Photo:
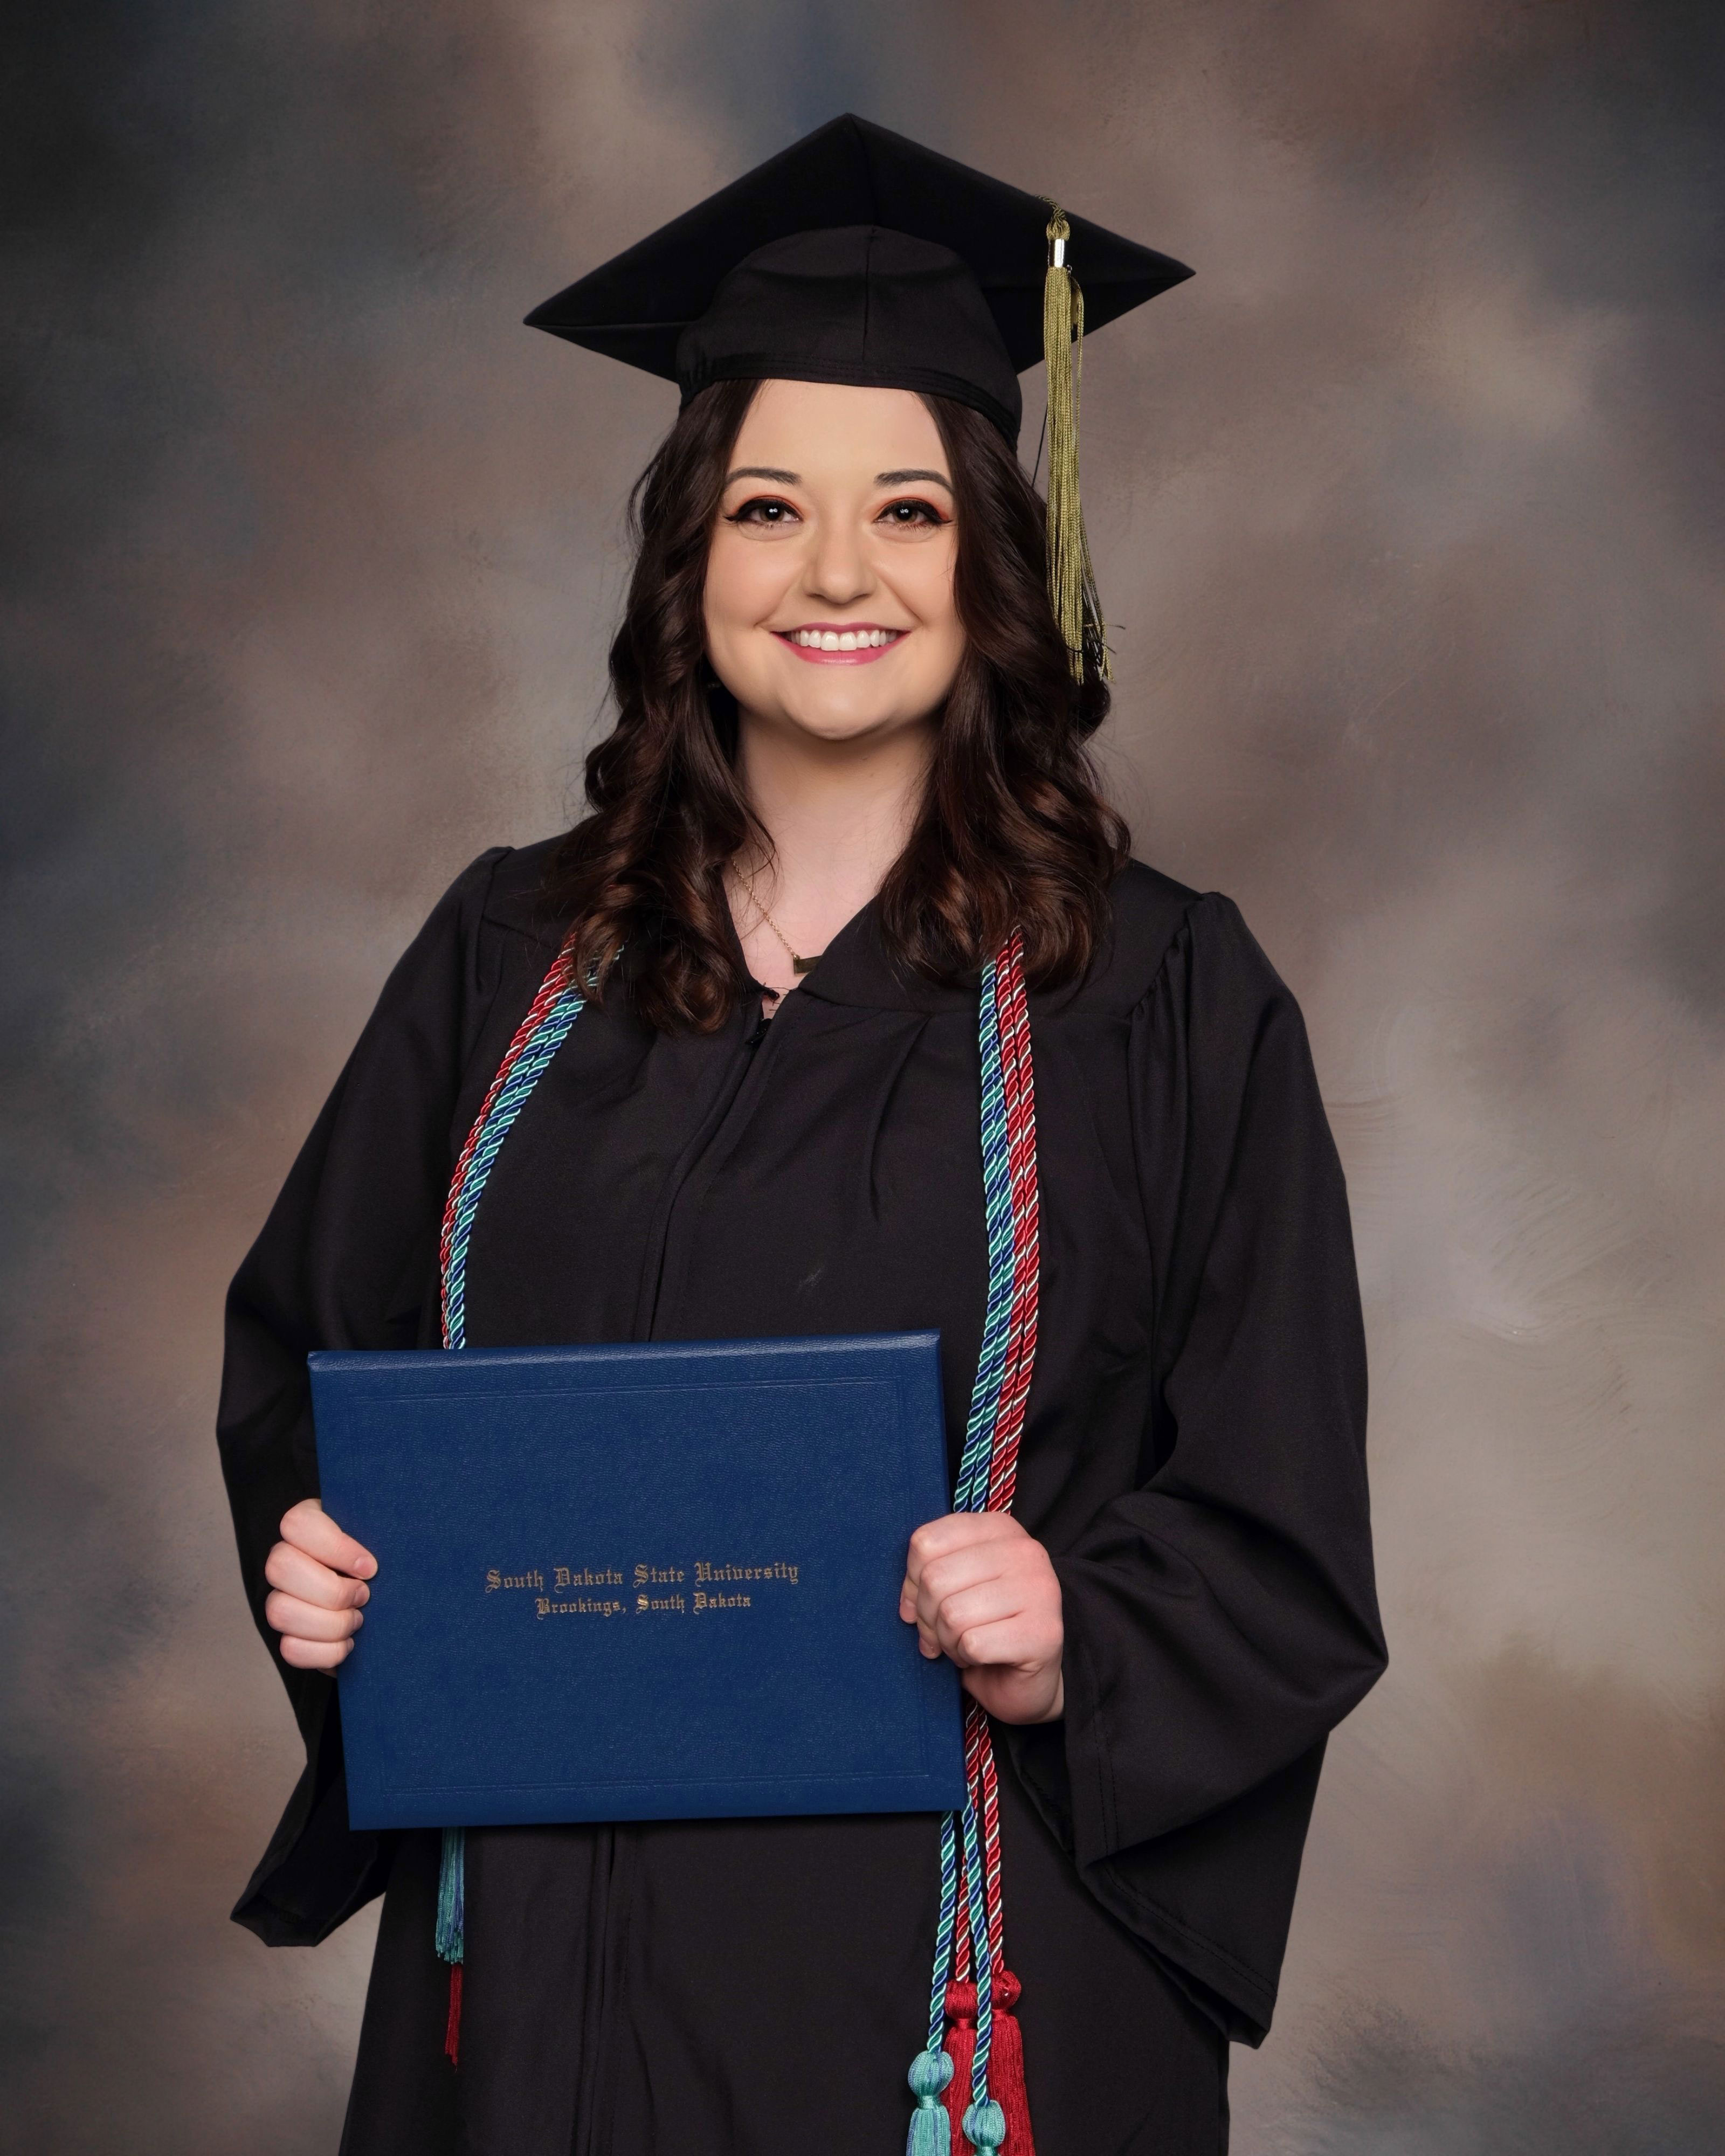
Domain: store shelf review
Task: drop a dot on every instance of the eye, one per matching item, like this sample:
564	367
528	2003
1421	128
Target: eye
910	516
765	512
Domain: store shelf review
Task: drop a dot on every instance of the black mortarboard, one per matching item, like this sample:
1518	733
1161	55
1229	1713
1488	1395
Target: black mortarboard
857	256
853	256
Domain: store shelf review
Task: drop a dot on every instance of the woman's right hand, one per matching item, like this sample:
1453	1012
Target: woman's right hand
318	1576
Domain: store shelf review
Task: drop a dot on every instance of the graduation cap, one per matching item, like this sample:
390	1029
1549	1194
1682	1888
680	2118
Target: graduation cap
858	256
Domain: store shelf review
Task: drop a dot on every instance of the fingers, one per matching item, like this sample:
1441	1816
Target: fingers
992	1623
1013	1641
1010	1694
298	1574
960	1530
315	1654
317	1576
983	1594
973	1585
307	1526
981	1542
309	1620
952	1617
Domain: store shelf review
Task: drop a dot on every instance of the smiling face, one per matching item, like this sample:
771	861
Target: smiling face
828	599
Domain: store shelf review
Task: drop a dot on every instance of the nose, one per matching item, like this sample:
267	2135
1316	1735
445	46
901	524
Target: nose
838	571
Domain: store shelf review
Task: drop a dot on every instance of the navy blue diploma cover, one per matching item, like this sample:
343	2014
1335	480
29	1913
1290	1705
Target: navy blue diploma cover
635	1583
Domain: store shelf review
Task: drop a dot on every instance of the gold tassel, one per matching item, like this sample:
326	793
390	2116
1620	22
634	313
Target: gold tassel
1071	581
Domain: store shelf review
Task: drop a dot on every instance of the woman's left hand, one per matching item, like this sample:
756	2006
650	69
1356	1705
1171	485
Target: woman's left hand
981	1590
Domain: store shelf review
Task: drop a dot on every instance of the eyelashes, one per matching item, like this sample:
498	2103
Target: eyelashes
770	512
746	515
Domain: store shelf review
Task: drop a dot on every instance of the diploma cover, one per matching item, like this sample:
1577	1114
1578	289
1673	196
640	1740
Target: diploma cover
636	1583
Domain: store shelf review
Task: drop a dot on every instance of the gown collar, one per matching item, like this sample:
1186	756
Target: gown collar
857	972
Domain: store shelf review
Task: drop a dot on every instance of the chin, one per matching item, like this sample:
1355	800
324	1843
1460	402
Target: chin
836	705
848	722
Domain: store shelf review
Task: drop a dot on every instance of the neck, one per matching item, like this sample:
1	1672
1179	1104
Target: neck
839	814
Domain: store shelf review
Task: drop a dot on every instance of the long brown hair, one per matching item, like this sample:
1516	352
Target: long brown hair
1013	830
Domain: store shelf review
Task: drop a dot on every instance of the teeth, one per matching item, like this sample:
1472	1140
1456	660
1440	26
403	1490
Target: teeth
847	639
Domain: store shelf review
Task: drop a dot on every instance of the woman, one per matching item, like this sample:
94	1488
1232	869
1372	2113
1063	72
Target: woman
847	784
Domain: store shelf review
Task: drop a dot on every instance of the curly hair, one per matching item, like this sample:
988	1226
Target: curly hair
1012	831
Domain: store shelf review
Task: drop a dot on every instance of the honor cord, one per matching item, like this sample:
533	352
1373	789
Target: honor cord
971	1953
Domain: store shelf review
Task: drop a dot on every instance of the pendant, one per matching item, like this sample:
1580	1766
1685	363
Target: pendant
803	965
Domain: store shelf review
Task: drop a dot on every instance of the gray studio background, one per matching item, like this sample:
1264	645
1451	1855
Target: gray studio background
1408	510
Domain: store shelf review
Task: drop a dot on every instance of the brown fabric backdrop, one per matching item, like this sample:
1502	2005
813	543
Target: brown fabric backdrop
1408	510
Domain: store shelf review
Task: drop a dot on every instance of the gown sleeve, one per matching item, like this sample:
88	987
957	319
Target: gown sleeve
346	1259
1221	1618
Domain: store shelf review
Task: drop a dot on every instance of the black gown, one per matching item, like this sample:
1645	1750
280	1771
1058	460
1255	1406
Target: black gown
1193	1460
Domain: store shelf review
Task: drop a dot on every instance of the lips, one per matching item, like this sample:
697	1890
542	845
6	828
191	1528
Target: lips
852	643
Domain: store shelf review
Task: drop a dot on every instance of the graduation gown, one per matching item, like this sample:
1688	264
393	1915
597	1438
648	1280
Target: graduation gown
1193	1460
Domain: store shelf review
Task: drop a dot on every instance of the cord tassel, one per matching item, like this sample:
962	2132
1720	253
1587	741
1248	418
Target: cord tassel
1009	2101
452	1895
451	1935
1071	581
452	2027
961	2049
1006	2066
930	2076
984	2127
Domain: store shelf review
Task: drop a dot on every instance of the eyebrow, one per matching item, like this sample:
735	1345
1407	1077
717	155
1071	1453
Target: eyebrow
795	478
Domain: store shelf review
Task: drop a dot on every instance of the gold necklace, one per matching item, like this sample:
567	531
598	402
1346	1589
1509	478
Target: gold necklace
798	965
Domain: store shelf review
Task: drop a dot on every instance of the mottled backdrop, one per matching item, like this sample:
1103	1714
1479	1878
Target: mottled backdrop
1409	511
